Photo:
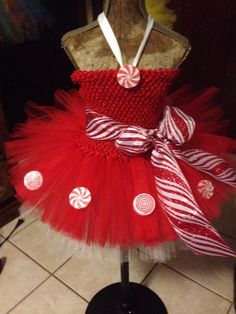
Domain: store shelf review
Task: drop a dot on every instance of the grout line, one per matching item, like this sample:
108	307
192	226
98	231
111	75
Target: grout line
32	291
50	274
26	226
150	271
21	229
32	259
53	272
26	296
231	306
70	288
198	283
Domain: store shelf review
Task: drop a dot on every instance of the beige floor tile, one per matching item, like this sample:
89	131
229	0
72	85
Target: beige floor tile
41	246
215	273
4	231
51	298
87	277
232	310
183	296
18	278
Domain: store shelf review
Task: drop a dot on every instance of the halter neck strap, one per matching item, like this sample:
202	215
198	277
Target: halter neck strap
113	43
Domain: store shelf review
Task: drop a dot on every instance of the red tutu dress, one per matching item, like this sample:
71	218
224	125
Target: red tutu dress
121	164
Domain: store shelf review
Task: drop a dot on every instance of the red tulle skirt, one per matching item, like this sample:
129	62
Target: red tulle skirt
53	141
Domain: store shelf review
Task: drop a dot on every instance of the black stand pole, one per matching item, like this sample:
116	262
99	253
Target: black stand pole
124	271
126	297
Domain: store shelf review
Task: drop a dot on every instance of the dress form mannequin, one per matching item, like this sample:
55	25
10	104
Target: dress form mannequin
88	49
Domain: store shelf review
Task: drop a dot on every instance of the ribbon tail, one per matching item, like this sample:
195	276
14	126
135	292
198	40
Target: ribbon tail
206	162
182	210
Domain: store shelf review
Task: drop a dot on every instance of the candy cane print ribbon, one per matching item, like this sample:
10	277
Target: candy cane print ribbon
173	190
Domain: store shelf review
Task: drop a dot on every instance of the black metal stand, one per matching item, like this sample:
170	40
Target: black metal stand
4	259
19	222
126	297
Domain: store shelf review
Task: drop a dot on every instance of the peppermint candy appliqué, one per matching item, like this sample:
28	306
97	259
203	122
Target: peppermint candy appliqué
144	204
80	197
33	180
206	188
128	76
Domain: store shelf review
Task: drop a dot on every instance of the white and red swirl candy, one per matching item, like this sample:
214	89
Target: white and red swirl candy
80	197
144	204
206	189
128	76
33	180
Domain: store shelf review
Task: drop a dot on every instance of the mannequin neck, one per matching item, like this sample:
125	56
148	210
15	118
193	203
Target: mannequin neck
125	10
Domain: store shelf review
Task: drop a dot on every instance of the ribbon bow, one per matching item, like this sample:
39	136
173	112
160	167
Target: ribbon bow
173	190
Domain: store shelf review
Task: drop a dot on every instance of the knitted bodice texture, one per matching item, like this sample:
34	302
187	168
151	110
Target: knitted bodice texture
142	105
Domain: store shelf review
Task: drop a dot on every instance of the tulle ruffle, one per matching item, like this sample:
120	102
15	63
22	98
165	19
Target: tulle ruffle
53	141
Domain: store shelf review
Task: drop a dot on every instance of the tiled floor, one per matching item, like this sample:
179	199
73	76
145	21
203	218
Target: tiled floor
35	281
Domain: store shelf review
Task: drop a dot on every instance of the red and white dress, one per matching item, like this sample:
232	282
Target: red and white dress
122	164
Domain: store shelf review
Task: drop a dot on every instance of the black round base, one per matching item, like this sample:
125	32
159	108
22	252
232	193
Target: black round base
141	300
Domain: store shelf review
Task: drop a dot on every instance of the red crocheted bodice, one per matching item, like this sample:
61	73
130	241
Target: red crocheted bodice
141	105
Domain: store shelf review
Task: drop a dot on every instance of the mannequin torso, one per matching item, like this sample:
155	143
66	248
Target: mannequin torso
88	49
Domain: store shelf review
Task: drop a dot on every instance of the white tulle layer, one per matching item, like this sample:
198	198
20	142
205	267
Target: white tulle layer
61	244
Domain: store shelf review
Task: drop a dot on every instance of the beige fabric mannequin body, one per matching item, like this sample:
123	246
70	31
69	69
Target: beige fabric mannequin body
88	49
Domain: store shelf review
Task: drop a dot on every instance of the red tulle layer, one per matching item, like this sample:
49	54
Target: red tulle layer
53	142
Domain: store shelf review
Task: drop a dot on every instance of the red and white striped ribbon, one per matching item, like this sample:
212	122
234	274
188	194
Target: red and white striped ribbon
174	192
209	163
